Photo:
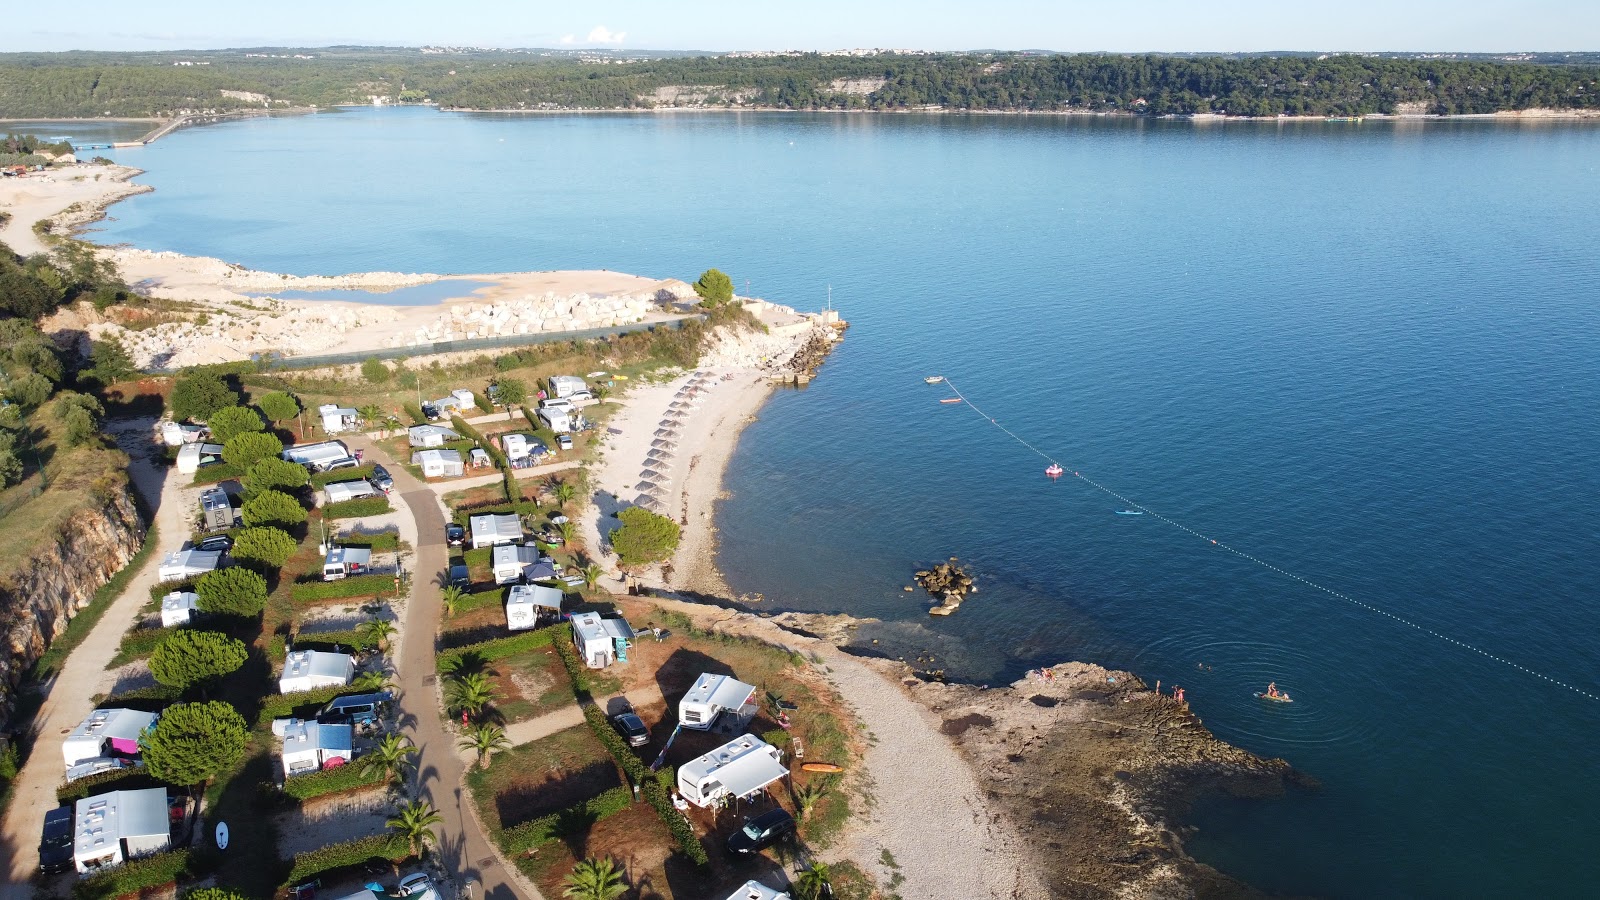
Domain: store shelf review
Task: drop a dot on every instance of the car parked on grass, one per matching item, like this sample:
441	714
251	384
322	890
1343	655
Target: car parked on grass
631	727
55	844
761	831
455	535
564	441
459	577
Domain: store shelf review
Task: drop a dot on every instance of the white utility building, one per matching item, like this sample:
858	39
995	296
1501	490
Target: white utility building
312	746
340	491
438	463
489	530
430	435
601	642
337	418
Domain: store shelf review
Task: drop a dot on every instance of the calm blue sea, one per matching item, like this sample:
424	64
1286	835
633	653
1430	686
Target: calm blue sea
1369	354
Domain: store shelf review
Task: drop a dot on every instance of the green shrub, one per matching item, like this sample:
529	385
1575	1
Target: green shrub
149	699
272	508
500	648
355	509
323	479
344	588
282	706
138	644
481	399
415	412
519	839
380	541
659	798
346	855
353	638
616	745
134	876
220	472
130	779
331	781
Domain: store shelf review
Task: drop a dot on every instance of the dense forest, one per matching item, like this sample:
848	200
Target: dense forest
113	84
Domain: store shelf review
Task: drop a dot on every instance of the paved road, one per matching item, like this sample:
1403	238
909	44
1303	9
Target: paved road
67	698
463	847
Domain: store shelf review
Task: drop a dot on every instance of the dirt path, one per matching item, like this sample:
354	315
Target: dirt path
520	733
460	484
464	849
67	700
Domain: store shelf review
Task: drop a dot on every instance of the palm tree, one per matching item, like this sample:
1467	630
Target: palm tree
592	573
563	492
414	824
469	693
378	631
815	882
594	879
485	740
568	530
372	413
450	598
372	682
807	795
466	663
391	756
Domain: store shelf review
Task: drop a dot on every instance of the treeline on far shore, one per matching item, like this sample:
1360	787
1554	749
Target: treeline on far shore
146	84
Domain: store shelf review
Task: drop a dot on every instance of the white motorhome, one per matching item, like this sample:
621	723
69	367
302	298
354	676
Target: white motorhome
423	436
740	768
307	670
317	456
344	562
106	731
521	446
561	420
525	602
178	608
714	696
176	434
110	829
510	562
311	746
570	387
601	642
189	563
340	491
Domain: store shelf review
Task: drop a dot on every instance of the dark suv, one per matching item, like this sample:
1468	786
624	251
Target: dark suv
630	726
761	831
455	535
381	479
55	845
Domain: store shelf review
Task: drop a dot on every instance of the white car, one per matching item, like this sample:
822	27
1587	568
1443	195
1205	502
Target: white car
564	441
418	885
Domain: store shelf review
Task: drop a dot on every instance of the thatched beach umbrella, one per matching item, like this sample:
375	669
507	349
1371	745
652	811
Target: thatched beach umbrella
650	473
668	443
667	432
645	486
659	453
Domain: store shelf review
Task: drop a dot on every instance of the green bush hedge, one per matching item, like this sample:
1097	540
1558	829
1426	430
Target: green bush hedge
519	839
150	699
348	639
355	509
160	591
139	643
682	833
415	412
346	855
133	877
483	556
330	781
380	541
130	779
500	648
281	706
216	472
323	479
344	588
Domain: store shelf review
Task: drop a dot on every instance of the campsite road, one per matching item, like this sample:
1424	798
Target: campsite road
464	849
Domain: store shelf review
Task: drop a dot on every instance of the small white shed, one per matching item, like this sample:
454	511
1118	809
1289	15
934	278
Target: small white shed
192	456
337	418
106	731
340	491
438	463
312	746
178	607
524	603
601	642
489	530
717	695
307	670
740	768
188	563
430	435
110	829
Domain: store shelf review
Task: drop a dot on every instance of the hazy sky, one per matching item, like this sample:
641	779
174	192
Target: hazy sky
1463	25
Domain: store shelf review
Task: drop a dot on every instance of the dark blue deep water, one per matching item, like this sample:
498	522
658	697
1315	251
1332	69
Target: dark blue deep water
1369	354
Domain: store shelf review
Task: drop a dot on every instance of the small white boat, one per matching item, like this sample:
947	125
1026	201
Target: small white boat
1130	512
933	379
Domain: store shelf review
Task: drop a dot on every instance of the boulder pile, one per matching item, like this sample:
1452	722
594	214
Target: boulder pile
949	584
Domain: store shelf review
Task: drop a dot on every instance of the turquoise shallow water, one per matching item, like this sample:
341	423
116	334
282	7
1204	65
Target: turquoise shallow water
1368	354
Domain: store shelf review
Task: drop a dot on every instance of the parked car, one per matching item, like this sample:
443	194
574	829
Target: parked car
761	831
459	577
630	726
223	542
343	462
564	441
455	535
417	884
55	844
381	479
432	412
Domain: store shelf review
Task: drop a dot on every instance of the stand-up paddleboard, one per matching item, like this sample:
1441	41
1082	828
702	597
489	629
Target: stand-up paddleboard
222	835
821	767
1281	698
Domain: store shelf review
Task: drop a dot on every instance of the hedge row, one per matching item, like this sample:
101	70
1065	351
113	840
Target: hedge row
160	590
140	643
463	427
152	698
519	839
500	648
465	511
347	854
655	791
217	472
355	509
281	706
343	589
379	541
331	781
134	876
130	779
323	479
415	412
348	639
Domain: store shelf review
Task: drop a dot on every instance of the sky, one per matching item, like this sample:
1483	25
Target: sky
1066	25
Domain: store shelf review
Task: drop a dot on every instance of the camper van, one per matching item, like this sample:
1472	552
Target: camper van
345	562
740	768
714	696
317	457
360	710
340	491
570	387
525	602
116	827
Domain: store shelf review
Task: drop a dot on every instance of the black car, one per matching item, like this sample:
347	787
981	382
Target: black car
221	542
459	577
630	726
55	845
381	479
761	831
455	535
432	412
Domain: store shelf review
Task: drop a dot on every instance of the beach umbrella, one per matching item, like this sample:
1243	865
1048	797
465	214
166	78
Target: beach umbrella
650	503
666	432
676	415
660	453
645	486
663	442
648	472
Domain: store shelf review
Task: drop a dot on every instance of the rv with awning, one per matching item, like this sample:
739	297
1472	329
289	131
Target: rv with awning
742	768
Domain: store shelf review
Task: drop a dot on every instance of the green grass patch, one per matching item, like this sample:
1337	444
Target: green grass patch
331	781
358	508
382	541
520	839
345	588
329	859
216	472
139	644
501	648
130	779
282	706
134	877
323	479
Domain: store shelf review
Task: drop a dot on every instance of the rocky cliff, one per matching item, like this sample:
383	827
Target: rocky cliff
60	578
